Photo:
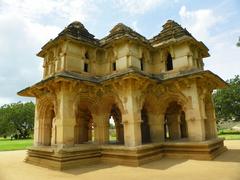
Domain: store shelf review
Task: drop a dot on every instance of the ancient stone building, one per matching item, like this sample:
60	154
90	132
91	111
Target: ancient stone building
156	92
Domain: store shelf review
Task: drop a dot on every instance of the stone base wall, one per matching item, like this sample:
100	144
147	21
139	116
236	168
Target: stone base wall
86	154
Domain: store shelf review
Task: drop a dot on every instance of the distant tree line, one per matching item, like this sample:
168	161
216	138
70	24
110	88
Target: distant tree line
227	101
17	120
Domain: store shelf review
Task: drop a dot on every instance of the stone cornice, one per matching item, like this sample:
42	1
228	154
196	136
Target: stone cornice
213	79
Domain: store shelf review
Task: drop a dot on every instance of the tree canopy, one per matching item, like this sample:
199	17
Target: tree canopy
227	101
17	119
238	43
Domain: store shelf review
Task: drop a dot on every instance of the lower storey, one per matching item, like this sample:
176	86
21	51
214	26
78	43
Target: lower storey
87	154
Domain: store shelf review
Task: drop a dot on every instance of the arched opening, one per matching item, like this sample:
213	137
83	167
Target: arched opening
111	60
169	62
114	66
86	62
85	67
145	129
116	133
175	126
112	130
47	126
142	64
86	55
84	127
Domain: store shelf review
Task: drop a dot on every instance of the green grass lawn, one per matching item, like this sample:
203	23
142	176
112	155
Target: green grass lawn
230	136
8	145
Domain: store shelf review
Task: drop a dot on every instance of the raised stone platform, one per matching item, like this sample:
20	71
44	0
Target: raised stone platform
64	158
206	150
85	154
132	156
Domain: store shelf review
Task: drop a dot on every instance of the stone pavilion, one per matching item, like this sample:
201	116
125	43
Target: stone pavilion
155	91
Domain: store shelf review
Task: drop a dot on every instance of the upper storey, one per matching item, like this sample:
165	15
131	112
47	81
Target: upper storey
172	51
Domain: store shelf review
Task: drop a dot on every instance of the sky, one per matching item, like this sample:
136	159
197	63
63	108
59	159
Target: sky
26	25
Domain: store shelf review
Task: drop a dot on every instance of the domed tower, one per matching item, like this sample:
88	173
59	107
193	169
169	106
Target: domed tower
73	50
177	50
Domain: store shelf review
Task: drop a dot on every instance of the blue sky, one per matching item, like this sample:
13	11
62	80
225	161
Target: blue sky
26	25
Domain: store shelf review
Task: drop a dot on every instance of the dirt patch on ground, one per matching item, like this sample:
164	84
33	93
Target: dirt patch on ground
224	167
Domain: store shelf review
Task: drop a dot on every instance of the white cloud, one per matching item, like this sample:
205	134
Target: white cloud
225	55
138	6
135	26
4	100
35	10
224	59
25	27
199	21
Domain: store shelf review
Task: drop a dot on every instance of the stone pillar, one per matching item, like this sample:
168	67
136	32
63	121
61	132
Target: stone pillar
156	123
47	134
83	129
129	92
132	131
132	123
54	131
173	125
37	138
66	120
101	129
119	133
211	129
195	117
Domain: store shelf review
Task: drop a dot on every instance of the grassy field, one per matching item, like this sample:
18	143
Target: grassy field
230	136
8	145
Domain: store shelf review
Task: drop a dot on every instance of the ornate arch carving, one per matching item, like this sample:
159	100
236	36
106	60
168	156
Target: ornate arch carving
44	103
108	100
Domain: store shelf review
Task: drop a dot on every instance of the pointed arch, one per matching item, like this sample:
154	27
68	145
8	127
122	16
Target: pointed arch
175	123
116	115
110	105
46	110
84	123
169	62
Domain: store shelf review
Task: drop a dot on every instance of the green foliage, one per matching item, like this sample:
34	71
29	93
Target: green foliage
17	119
227	101
111	126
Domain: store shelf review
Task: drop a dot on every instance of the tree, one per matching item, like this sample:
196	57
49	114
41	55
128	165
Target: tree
17	118
227	101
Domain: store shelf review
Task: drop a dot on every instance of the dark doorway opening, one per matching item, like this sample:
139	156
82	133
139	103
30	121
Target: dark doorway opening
169	63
